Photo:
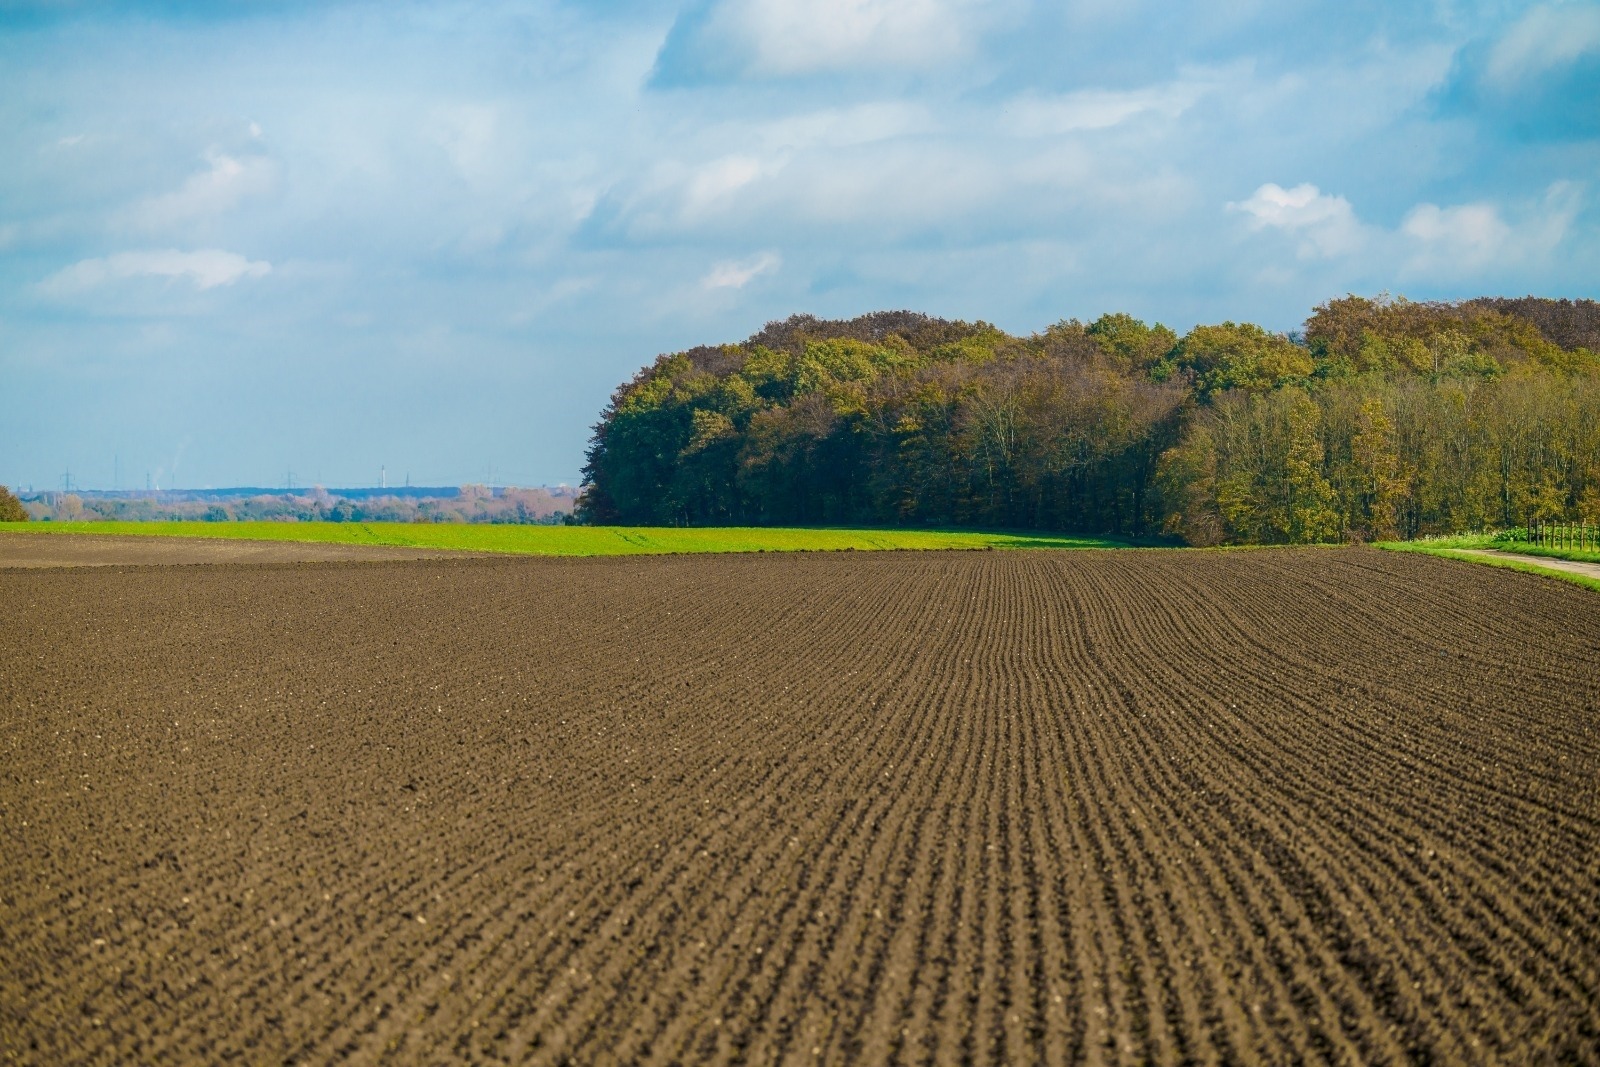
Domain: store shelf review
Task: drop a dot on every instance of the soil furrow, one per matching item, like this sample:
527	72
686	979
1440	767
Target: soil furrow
1133	807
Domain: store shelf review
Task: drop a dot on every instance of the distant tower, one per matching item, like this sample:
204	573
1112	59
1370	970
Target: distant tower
383	477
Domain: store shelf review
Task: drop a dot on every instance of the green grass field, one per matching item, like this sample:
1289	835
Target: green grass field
573	540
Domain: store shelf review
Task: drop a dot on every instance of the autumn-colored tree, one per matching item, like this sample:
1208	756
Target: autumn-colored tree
1241	356
1379	488
1138	347
1188	484
1310	515
11	509
1390	418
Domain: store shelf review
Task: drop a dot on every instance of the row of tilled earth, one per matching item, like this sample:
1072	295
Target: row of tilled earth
1335	805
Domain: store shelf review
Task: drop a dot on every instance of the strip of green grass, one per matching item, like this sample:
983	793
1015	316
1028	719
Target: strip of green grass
573	540
1583	556
1467	540
1494	542
1453	551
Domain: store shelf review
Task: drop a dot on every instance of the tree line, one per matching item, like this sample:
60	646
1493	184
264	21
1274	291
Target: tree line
1382	418
469	504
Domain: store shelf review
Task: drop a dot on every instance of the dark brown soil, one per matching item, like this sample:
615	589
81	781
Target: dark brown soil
944	807
101	550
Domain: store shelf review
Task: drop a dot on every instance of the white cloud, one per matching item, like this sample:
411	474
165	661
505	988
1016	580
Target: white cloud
1326	225
1098	109
1472	233
754	177
1545	39
470	135
1467	236
787	37
828	193
720	179
737	273
1432	241
226	181
844	127
204	269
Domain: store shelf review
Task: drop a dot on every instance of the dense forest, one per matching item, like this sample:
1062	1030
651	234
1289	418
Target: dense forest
1382	418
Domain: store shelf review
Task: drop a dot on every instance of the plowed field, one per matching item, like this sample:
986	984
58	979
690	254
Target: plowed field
978	807
91	550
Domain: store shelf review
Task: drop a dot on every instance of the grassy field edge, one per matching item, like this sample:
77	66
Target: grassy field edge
1465	554
580	540
1573	554
1494	542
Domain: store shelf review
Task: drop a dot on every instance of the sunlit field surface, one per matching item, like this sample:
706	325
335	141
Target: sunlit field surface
573	540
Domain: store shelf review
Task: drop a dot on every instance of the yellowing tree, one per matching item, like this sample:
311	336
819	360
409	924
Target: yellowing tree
11	509
1241	356
1377	462
1312	515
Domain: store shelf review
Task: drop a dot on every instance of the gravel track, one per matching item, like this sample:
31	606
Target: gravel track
1009	807
1571	566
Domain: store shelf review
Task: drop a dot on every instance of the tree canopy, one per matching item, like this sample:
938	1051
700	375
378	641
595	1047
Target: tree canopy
11	509
1384	417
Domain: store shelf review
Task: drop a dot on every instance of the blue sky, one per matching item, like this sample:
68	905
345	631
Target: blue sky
239	239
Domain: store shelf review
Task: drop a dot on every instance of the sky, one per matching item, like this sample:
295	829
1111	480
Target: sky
243	242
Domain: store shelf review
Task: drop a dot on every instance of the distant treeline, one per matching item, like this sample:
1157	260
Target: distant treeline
469	503
1382	418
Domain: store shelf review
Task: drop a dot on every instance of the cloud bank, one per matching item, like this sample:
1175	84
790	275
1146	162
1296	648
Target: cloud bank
203	269
437	236
1431	240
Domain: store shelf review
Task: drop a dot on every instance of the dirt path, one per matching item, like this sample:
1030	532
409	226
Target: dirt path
1572	566
100	550
1313	806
